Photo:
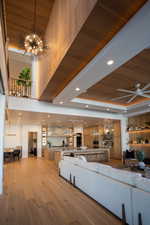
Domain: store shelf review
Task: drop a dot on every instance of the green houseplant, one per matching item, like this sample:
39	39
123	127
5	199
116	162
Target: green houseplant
24	80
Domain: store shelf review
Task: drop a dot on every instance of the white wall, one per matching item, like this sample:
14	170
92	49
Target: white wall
12	135
15	67
17	62
17	135
2	120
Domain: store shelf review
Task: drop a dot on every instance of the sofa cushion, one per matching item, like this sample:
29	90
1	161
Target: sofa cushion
143	183
124	176
104	169
97	167
70	159
74	160
82	158
91	166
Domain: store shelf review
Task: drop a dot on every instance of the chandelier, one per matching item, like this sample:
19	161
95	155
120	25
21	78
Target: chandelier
33	44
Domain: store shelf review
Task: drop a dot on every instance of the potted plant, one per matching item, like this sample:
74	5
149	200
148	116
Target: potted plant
140	157
24	79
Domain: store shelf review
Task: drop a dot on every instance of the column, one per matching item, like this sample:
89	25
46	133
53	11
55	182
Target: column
2	122
117	148
124	134
35	77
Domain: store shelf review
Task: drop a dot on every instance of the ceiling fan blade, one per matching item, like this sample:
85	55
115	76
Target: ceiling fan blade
146	96
131	99
148	91
127	91
119	98
146	86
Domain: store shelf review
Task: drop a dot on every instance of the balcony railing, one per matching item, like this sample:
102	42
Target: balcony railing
20	87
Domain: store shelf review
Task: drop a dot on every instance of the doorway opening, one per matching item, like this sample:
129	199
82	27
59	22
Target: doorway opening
79	140
32	144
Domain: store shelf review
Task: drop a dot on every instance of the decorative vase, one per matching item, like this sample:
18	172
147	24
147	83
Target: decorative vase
141	165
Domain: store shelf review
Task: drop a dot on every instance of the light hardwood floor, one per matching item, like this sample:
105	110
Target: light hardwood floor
34	194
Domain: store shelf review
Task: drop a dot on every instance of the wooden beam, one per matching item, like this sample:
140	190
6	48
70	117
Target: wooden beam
78	42
66	21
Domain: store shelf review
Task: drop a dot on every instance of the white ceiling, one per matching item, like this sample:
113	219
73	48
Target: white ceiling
24	117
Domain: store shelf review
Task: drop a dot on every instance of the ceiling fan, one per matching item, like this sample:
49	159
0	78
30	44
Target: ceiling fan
143	92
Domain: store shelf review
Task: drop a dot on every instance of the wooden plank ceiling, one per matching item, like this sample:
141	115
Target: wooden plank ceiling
106	19
20	17
134	71
104	22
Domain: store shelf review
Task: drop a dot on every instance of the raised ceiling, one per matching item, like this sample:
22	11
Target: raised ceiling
137	70
19	19
105	20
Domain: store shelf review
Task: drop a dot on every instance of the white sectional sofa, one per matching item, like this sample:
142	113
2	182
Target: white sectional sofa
110	187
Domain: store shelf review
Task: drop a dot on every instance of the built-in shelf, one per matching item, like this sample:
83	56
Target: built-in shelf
139	131
140	145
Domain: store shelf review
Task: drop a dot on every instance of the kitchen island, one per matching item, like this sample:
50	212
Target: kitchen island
91	155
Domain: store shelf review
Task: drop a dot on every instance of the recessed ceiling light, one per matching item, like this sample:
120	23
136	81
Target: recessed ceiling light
61	102
77	89
110	62
86	106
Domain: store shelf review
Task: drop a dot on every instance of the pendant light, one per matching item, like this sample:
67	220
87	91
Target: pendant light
33	43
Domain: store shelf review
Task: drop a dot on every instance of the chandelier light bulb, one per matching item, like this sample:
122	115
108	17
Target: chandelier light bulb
33	44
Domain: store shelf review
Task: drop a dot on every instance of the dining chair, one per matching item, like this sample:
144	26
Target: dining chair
16	154
8	156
